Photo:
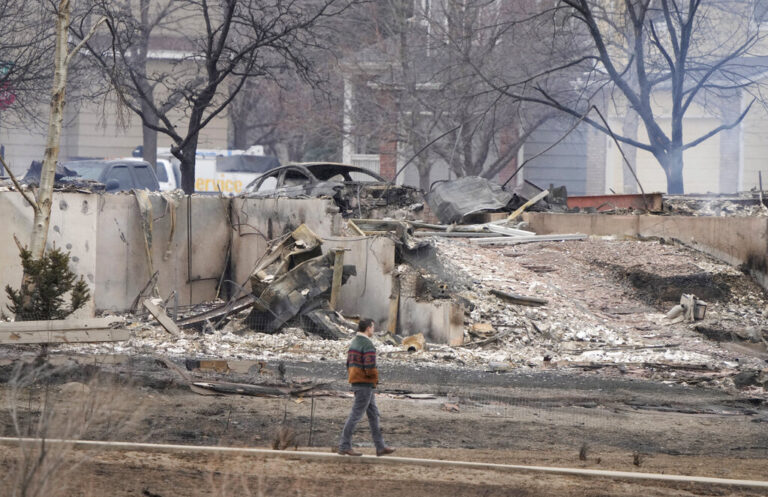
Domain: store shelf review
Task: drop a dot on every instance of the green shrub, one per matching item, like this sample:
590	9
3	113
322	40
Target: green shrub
45	285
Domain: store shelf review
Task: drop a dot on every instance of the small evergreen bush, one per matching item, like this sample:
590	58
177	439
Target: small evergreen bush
42	293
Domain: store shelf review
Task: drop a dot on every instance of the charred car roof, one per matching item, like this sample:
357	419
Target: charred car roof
327	170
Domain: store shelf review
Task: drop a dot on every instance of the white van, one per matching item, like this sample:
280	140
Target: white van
224	171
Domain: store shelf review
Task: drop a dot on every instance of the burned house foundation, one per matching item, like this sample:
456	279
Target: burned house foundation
200	248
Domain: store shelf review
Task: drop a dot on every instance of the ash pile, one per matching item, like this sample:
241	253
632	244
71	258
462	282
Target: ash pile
745	204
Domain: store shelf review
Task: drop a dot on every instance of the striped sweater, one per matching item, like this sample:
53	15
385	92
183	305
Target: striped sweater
361	361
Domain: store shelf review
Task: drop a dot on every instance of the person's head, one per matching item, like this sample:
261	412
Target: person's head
365	326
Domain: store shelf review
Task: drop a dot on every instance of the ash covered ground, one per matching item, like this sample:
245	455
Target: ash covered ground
605	315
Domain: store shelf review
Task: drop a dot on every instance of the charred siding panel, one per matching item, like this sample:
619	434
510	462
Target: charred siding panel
565	164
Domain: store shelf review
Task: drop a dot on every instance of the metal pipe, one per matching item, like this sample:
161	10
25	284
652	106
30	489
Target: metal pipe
335	458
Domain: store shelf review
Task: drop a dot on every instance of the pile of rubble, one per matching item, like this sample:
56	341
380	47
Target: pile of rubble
381	201
642	308
458	200
746	204
558	306
594	318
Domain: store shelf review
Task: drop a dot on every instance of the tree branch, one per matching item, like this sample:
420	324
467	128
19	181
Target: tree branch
695	89
722	127
85	39
29	200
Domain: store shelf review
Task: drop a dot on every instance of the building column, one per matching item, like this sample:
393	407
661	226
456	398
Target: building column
629	129
388	158
597	162
388	142
730	146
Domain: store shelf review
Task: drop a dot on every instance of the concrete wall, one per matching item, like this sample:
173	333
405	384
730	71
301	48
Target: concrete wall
107	242
367	293
441	321
72	228
735	240
193	248
257	221
191	269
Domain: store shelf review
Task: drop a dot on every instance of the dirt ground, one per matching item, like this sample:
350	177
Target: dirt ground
531	419
124	473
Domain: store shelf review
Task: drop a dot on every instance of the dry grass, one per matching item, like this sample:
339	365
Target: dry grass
39	409
284	438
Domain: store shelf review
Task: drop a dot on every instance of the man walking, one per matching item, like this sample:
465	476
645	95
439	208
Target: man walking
363	376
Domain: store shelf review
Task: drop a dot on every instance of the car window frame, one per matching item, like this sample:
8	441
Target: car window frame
311	179
112	167
371	176
136	183
264	177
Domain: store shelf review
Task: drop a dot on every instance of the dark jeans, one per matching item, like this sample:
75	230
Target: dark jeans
365	402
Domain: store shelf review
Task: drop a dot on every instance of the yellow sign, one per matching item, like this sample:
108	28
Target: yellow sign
223	184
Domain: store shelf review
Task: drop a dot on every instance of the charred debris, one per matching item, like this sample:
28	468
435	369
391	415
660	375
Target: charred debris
509	318
296	283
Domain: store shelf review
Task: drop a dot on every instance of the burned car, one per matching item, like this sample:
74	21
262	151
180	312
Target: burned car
358	192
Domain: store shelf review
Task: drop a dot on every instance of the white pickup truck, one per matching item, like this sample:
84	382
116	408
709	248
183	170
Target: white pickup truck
168	175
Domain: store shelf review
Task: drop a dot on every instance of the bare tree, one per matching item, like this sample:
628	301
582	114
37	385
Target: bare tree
145	26
637	50
32	71
225	43
292	119
444	109
62	59
489	130
26	41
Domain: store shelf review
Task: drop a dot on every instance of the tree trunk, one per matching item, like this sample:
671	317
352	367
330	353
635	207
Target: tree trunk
149	136
186	153
673	167
47	174
424	177
239	130
186	156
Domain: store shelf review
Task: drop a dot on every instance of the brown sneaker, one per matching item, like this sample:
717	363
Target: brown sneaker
385	451
349	452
